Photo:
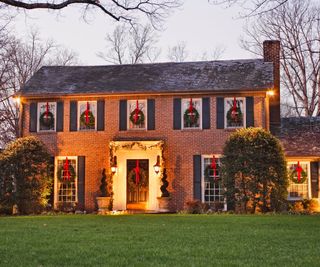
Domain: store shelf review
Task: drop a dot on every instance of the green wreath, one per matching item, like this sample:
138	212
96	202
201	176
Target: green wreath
140	118
72	174
90	124
132	179
237	119
294	178
191	117
207	171
47	119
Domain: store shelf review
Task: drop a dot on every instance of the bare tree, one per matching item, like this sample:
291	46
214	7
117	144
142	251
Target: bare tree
215	54
297	25
19	61
178	53
131	45
127	10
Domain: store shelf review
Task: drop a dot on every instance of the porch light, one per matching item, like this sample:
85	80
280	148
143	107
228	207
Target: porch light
156	166
114	165
17	100
270	93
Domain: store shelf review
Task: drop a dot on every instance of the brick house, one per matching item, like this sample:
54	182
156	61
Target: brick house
132	117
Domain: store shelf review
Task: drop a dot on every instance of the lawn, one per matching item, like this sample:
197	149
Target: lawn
160	240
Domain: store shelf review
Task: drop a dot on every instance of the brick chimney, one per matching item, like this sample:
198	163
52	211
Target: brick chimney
271	53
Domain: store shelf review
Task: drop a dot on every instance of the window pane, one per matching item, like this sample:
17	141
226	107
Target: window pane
213	192
234	108
87	115
298	189
47	114
67	190
191	112
137	114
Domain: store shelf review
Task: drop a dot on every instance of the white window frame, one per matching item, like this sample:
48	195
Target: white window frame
203	157
95	115
56	189
39	104
308	179
183	109
226	111
134	101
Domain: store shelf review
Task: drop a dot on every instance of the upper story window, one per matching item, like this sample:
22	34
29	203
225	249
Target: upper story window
47	116
234	112
87	115
137	114
191	113
299	173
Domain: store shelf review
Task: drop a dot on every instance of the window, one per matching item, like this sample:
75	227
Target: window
137	114
87	115
299	187
212	190
66	180
47	116
191	113
234	108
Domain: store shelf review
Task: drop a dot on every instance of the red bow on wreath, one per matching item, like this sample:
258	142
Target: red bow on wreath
299	170
87	113
214	166
191	109
136	112
66	169
137	170
234	108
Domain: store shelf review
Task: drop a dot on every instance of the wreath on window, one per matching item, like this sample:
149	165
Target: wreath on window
234	116
87	123
293	176
62	175
137	117
47	119
132	182
207	171
191	116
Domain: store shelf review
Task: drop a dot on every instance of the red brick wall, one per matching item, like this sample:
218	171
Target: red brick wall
180	145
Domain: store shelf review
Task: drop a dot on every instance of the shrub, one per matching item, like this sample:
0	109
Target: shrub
197	207
254	171
25	175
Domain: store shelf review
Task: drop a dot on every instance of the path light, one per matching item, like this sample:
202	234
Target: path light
156	166
114	165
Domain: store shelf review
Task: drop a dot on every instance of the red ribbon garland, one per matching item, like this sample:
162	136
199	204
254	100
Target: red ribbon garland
47	110
66	169
214	166
234	108
191	109
87	113
137	170
299	170
136	112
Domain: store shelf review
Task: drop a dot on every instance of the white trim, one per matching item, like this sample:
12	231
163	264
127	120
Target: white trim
145	103
183	110
54	117
308	179
55	198
95	115
244	112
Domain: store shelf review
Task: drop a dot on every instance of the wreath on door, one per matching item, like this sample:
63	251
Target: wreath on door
133	182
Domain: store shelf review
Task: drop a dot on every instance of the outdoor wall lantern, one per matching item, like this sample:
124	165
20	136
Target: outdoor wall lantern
114	165
156	166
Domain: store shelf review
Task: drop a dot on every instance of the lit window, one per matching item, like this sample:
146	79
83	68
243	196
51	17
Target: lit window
137	114
234	112
47	116
191	112
87	115
298	183
212	189
66	180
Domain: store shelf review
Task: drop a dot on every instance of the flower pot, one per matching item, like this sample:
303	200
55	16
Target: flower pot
164	204
103	203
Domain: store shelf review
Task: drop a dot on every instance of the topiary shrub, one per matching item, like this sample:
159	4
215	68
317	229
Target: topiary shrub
25	175
254	172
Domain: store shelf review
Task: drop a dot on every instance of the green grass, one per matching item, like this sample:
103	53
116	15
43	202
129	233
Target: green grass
160	240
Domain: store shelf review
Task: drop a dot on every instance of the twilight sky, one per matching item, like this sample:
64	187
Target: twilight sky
201	25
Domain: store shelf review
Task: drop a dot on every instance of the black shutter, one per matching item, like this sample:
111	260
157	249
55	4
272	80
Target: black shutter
60	113
33	117
73	116
81	182
177	114
314	166
206	113
249	112
220	113
197	177
100	115
123	115
151	114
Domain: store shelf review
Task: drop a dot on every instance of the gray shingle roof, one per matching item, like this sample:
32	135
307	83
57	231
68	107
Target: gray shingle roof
228	75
